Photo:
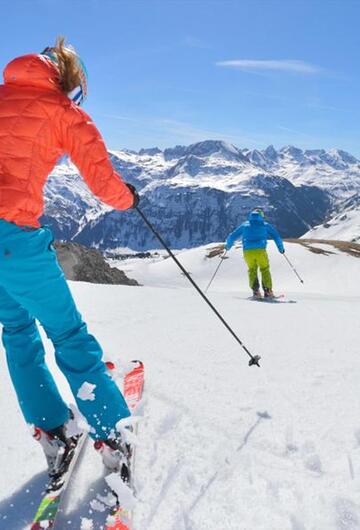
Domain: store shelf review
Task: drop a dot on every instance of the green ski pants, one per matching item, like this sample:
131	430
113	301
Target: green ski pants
258	258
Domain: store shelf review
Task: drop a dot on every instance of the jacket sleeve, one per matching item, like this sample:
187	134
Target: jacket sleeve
272	233
236	234
82	141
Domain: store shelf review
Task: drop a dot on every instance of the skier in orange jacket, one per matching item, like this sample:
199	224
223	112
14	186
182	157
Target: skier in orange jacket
40	120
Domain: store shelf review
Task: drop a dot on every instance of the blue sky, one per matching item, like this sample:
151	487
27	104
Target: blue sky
166	72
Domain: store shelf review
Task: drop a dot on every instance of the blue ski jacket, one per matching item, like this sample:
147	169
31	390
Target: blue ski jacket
254	233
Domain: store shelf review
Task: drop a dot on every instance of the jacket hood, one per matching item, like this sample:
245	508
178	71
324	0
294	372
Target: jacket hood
255	218
32	70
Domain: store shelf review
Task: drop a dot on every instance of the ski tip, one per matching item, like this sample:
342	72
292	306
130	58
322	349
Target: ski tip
137	361
112	366
140	364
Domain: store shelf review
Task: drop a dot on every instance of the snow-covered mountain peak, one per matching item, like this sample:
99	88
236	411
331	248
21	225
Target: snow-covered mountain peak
151	151
173	153
207	148
271	154
215	179
343	156
214	147
259	158
293	153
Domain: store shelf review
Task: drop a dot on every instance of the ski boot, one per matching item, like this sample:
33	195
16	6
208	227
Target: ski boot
256	293
116	456
268	293
58	447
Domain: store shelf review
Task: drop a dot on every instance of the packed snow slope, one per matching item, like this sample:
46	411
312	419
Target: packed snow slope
220	445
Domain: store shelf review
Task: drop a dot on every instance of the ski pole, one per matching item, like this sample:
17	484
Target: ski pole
254	359
217	268
293	268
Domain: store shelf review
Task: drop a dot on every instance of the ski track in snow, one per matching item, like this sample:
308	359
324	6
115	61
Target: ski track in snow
228	461
208	457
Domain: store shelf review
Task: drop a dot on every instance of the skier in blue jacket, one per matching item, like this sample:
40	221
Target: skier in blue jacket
254	233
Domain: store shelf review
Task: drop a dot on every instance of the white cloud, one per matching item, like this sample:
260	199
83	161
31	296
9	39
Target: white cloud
285	65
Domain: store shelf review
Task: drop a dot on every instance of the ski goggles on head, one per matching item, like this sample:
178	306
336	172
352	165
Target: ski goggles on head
47	51
83	80
79	93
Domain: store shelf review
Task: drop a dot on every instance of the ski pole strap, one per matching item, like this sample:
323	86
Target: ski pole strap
254	359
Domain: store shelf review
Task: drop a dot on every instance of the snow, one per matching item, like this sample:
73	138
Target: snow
86	392
77	424
123	492
98	506
86	524
127	435
344	226
232	274
220	445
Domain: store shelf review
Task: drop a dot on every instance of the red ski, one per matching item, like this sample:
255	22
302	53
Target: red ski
133	385
120	518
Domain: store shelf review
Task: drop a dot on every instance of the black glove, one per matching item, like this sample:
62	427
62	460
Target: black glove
135	194
282	251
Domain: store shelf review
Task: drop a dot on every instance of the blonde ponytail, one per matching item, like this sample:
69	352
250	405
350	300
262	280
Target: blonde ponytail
68	64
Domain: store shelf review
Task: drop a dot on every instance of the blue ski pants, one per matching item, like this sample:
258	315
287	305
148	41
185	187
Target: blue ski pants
33	286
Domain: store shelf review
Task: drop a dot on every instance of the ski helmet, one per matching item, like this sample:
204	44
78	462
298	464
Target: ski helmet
77	94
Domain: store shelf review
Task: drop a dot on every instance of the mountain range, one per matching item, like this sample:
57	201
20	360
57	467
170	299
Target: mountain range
197	194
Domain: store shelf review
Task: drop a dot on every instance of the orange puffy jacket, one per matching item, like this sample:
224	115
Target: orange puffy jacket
39	124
